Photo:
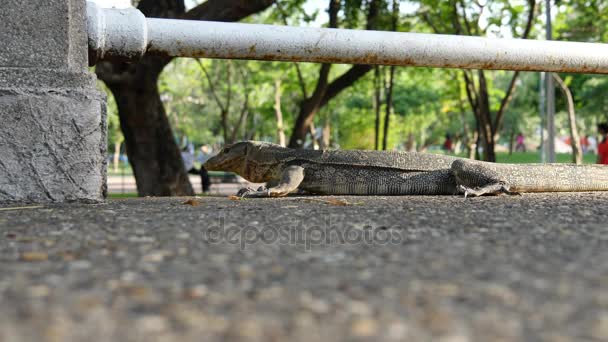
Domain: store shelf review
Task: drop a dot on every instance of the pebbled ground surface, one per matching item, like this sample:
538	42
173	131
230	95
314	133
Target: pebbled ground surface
523	268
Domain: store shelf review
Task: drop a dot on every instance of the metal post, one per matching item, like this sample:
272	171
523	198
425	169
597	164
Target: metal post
543	114
550	97
128	34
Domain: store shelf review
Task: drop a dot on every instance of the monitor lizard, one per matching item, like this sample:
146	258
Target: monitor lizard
360	172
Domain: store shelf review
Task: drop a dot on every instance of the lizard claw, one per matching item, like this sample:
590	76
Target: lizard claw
489	189
250	193
464	190
244	191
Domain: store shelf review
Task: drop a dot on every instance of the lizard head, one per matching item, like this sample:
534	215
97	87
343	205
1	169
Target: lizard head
253	160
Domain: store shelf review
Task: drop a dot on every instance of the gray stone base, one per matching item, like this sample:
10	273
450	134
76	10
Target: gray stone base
52	146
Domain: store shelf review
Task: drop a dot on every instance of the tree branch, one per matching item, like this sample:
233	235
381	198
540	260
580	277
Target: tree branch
211	87
320	89
466	20
509	94
471	91
296	65
372	15
427	19
532	4
226	10
575	141
162	9
229	90
455	21
212	10
504	103
356	71
344	81
244	110
324	92
481	9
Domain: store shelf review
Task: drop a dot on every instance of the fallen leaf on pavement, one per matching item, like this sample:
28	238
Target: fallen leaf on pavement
192	202
34	256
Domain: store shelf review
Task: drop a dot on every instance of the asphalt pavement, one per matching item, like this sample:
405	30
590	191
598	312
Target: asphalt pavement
506	268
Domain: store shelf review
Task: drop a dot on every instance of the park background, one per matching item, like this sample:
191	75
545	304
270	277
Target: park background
214	102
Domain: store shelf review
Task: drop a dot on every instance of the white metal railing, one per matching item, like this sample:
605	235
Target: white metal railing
128	34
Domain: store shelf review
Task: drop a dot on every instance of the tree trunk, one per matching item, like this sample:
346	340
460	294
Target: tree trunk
474	146
244	130
477	155
410	145
225	126
301	127
391	81
310	106
226	109
314	142
389	107
153	153
251	134
377	106
487	131
279	112
470	142
242	118
489	128
325	91
467	140
326	136
489	152
577	155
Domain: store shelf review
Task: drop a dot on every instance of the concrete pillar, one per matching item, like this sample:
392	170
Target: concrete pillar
52	117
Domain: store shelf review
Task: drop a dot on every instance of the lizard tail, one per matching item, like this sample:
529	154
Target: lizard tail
530	177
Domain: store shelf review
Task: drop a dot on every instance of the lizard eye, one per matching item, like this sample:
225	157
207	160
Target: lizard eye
226	149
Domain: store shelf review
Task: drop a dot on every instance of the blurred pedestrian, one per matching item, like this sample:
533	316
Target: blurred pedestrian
204	154
447	144
602	148
592	144
188	158
520	145
585	144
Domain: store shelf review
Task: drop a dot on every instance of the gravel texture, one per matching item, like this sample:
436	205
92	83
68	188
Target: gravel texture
520	268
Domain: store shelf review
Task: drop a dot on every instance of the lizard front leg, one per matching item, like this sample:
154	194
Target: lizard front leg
291	178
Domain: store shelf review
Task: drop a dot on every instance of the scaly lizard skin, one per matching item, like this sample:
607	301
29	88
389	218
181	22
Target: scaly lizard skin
355	172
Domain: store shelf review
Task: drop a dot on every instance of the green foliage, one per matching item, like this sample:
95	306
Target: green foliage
586	21
190	111
534	157
582	20
522	114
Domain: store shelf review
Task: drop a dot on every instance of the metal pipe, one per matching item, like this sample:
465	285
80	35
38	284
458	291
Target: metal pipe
114	33
184	38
